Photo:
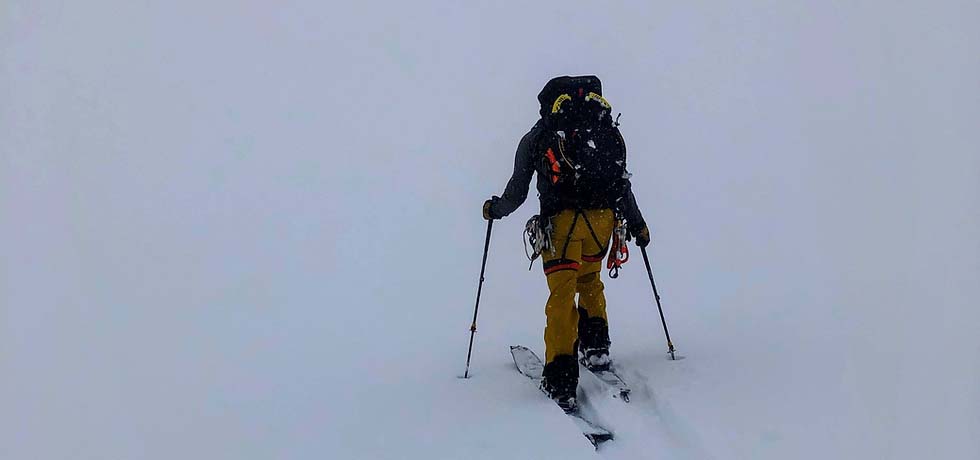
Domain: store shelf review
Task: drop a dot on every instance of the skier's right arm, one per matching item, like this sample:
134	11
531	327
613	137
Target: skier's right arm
517	187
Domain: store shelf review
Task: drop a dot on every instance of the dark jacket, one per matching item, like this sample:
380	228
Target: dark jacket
524	166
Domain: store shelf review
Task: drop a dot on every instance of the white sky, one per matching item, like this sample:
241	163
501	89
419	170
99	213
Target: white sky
202	203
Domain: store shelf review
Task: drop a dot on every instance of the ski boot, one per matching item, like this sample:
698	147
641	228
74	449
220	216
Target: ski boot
560	382
593	343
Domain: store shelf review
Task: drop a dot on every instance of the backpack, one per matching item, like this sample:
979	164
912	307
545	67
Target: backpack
583	156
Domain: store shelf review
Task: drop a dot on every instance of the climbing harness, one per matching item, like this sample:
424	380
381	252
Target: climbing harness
537	236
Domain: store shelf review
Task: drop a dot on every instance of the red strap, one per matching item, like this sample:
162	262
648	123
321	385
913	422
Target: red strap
619	255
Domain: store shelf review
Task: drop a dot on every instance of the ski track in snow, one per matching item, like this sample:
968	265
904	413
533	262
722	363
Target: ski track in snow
664	434
641	428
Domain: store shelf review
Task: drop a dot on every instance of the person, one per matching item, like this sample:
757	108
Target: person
578	154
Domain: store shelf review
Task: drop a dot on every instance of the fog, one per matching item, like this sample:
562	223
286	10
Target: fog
228	228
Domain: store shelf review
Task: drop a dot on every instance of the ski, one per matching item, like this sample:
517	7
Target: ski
530	366
610	378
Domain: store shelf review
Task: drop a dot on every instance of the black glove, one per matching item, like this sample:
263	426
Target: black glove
488	213
642	236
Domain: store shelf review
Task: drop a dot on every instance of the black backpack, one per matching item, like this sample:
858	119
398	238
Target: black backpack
583	156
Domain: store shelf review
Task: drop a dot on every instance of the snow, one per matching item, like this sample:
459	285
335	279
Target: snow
231	230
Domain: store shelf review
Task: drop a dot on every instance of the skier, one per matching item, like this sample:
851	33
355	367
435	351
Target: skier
585	193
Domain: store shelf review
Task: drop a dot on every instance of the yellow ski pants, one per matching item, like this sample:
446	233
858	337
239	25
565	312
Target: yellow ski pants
580	240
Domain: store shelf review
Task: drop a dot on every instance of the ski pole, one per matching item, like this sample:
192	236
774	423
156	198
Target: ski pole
479	289
646	260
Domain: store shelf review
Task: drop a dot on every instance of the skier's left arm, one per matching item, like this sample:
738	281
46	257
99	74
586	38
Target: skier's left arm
636	226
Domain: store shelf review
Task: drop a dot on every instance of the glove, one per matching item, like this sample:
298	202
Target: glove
488	213
642	236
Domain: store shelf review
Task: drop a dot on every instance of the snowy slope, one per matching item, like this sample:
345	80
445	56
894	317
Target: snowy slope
239	230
